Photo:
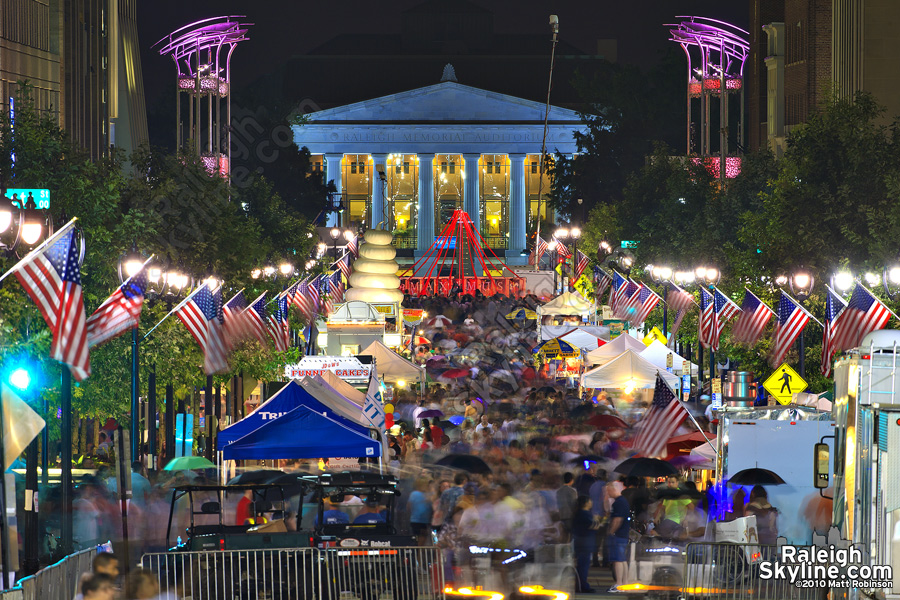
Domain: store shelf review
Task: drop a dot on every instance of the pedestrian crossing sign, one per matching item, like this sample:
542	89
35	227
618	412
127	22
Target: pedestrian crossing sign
784	383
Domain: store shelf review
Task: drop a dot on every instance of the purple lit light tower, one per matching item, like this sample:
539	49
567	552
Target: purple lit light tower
202	54
716	52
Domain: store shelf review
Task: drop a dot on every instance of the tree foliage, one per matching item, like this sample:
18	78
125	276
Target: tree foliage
159	203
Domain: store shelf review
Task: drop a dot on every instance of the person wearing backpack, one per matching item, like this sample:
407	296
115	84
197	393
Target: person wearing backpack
766	515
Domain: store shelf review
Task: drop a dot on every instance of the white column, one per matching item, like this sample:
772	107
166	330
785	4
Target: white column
472	197
425	224
517	205
333	173
378	192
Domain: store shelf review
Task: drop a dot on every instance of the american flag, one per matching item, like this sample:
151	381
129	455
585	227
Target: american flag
325	291
680	301
725	309
561	251
706	329
278	324
236	326
257	317
646	301
52	278
343	263
619	285
315	296
202	314
120	312
662	420
791	321
752	322
540	247
602	279
581	264
303	301
353	246
864	314
625	305
336	287
834	304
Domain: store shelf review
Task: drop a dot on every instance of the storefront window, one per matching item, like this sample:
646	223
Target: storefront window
449	179
534	181
494	183
402	193
357	183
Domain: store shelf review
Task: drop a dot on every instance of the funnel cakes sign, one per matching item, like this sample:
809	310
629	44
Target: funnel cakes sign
347	368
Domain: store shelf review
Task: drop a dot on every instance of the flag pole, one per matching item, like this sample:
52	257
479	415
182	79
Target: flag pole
40	248
171	312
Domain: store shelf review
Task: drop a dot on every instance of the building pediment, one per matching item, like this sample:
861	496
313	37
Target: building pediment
444	102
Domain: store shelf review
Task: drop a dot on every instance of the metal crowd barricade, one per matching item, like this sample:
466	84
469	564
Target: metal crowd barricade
301	574
282	574
367	573
55	582
728	571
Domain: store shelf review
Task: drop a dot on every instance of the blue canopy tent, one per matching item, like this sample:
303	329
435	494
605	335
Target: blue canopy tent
304	433
285	400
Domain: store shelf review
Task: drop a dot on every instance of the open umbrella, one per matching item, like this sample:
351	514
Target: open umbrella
439	322
429	414
186	463
455	373
645	467
682	444
607	422
464	462
557	348
421	341
756	476
457	419
257	476
522	313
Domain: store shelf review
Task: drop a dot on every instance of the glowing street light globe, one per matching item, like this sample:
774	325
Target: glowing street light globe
843	280
20	379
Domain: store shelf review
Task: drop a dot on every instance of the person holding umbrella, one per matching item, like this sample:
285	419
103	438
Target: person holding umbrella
766	515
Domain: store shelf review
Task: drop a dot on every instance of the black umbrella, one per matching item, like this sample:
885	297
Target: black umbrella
464	462
539	440
445	425
588	457
645	467
756	476
258	476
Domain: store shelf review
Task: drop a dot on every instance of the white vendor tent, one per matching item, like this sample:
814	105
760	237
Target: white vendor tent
606	353
657	353
552	331
628	370
582	339
707	452
343	388
393	367
567	303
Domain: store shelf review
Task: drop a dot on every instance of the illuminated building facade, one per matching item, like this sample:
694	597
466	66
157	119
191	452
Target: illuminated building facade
442	147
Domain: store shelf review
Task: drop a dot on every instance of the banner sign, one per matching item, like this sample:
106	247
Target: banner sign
413	316
347	368
388	310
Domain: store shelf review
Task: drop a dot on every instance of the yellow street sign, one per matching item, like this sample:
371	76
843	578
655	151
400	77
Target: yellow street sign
585	286
784	383
654	334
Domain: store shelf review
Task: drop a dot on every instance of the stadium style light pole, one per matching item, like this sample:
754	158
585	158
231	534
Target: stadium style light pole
801	283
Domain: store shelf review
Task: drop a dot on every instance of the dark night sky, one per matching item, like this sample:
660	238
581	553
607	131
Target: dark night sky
285	28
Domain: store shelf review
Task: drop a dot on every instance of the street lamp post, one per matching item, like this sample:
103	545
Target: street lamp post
129	265
561	235
551	245
575	233
802	282
661	274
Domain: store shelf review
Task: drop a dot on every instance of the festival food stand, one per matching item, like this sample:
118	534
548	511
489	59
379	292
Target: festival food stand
608	352
628	375
392	367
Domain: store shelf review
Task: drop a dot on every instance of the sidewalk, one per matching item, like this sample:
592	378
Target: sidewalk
600	579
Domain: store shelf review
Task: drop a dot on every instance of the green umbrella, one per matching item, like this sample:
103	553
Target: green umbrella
185	463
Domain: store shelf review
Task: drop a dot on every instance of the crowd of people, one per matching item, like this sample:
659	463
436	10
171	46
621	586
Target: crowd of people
546	475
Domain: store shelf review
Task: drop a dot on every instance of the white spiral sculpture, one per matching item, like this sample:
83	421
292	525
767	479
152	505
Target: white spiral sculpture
374	277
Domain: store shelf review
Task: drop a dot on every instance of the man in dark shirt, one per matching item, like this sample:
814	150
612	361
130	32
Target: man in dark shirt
617	538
